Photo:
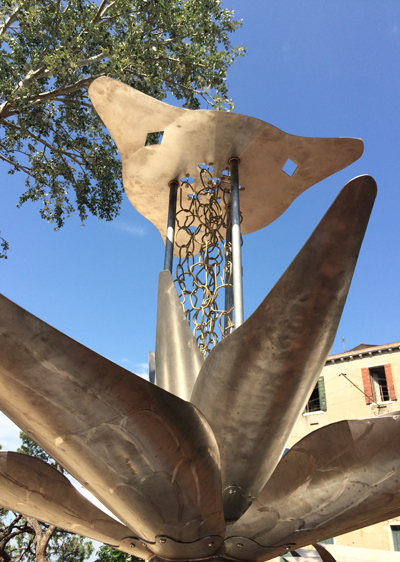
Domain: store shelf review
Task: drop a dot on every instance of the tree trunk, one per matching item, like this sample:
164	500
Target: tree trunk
42	538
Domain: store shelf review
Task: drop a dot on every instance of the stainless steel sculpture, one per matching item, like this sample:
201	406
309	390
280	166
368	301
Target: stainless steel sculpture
193	467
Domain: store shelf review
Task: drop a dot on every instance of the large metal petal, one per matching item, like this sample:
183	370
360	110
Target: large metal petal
337	479
199	137
178	357
254	384
147	455
34	488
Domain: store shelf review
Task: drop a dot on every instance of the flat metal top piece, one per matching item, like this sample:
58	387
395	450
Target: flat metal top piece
198	137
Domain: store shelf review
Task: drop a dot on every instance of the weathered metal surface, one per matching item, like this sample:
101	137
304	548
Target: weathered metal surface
34	488
337	479
178	357
168	549
255	383
148	456
200	137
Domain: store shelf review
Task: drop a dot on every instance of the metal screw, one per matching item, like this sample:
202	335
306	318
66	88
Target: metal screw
239	545
232	491
211	543
144	544
162	541
133	545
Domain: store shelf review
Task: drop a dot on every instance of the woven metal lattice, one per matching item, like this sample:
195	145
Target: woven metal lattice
204	267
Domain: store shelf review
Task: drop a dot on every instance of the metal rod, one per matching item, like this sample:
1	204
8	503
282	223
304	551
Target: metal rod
169	241
236	243
228	269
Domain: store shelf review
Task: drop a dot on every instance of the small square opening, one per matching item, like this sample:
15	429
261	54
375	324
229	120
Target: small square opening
289	168
154	138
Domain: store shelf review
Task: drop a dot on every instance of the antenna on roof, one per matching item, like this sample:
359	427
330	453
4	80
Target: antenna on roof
344	344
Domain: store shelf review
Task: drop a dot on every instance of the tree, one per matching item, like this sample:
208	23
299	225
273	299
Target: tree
50	52
26	539
108	554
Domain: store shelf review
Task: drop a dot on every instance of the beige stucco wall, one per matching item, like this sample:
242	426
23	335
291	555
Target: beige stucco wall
345	401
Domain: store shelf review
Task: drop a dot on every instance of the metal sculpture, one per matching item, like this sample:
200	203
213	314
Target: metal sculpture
192	466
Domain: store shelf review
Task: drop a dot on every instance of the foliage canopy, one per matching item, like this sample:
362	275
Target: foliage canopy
50	52
25	539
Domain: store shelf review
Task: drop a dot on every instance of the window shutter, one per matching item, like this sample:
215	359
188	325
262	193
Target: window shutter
389	381
321	392
366	378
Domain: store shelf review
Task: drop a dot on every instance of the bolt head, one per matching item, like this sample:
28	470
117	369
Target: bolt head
239	545
163	541
132	545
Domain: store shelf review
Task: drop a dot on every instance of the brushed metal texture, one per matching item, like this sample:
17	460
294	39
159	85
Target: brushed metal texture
36	489
255	383
148	456
178	357
193	137
337	479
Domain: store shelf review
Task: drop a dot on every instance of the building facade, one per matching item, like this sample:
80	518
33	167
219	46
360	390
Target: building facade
360	383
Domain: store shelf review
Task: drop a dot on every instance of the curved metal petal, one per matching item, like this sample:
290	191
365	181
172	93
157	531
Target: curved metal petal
178	357
255	382
150	457
337	479
32	487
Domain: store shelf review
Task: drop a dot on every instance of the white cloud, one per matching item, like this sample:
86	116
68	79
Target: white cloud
9	434
132	229
140	369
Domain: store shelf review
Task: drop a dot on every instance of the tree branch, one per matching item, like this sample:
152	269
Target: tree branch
19	166
42	141
92	60
10	21
46	96
103	9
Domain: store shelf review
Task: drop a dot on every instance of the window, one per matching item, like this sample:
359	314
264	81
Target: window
317	400
327	541
396	536
378	384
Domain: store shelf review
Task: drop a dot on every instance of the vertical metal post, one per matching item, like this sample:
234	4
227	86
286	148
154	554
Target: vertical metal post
169	241
236	243
228	268
152	367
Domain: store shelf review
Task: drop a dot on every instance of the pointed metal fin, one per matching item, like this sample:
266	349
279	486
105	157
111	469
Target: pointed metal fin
342	477
255	383
144	453
32	487
325	555
178	357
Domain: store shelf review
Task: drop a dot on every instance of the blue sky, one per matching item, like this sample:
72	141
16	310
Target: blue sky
312	68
